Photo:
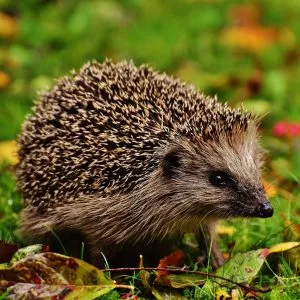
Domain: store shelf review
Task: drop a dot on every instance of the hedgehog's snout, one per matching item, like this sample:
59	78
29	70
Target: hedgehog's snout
264	208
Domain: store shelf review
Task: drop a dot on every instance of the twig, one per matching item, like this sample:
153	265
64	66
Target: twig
249	289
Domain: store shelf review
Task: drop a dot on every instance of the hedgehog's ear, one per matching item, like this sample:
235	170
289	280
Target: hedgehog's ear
172	161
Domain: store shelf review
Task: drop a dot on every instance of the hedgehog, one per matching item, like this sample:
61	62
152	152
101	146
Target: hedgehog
128	160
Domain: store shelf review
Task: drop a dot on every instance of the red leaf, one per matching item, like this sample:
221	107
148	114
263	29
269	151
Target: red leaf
175	259
264	252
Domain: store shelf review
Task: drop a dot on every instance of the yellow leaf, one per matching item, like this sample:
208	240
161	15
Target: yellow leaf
4	80
8	152
222	295
283	247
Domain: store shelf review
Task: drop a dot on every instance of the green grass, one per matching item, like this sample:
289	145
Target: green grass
10	205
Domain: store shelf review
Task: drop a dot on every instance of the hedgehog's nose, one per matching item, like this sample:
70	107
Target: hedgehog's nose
265	210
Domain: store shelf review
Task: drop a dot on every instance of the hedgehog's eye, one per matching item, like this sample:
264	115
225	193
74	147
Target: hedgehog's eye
220	179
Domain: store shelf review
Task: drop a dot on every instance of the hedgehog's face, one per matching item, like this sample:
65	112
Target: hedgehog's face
242	199
218	180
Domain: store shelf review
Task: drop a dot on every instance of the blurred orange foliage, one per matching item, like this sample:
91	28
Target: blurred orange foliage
4	80
248	34
8	26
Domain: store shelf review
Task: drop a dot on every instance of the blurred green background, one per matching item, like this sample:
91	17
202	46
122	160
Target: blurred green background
239	50
243	51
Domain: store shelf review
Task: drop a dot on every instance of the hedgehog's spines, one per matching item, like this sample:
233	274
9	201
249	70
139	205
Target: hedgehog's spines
101	130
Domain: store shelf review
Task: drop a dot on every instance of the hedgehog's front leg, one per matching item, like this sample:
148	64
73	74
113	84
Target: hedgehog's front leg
216	255
207	241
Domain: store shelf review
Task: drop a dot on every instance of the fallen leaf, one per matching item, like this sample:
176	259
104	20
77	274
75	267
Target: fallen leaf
243	267
53	275
222	295
46	291
283	247
180	281
208	290
163	295
28	251
175	259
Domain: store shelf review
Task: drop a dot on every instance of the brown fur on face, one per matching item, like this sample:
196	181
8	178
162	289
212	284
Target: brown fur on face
125	156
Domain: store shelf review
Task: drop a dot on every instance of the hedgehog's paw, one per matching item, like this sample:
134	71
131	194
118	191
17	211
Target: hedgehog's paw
217	258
